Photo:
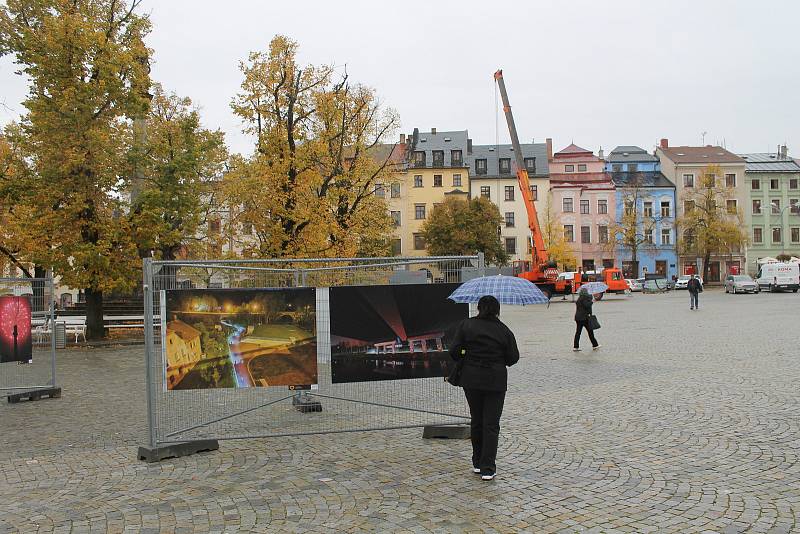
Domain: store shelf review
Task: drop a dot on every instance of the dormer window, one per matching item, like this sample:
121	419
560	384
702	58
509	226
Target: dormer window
419	158
438	158
480	166
505	166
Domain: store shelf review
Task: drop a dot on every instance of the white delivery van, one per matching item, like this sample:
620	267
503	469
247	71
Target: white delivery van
779	277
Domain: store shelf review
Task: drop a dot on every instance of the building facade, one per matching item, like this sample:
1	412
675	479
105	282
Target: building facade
684	166
773	183
646	194
583	198
493	175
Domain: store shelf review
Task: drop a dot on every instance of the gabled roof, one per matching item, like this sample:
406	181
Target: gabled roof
183	330
573	149
631	153
493	153
700	154
769	162
640	179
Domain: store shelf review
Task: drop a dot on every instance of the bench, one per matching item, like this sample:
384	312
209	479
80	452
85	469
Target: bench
128	321
74	325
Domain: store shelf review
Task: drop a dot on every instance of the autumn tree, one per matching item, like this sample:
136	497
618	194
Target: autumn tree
633	231
88	70
709	226
559	250
459	227
309	187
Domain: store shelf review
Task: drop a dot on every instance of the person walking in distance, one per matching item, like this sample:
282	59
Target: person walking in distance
487	347
695	287
583	310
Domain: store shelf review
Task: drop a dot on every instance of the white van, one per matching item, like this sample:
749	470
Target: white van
779	276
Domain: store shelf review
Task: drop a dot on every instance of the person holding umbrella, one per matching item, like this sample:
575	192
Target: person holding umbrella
583	314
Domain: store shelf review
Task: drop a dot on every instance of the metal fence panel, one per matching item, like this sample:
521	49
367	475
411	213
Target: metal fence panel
41	372
230	413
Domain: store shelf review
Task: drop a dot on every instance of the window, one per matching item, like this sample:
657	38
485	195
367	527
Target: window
438	158
396	247
485	191
666	236
776	206
755	184
419	242
629	207
530	164
793	183
688	206
395	190
480	166
419	211
586	235
395	217
534	192
774	184
758	235
566	205
569	233
509	192
795	234
710	180
247	228
584	207
510	219
665	208
602	234
648	236
379	192
776	234
730	180
616	167
731	206
437	180
633	167
688	180
569	168
456	180
214	226
505	166
419	159
581	167
511	245
794	207
602	207
756	207
688	236
648	209
455	158
418	180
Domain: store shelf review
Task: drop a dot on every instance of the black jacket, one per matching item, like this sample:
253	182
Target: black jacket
489	347
583	307
694	286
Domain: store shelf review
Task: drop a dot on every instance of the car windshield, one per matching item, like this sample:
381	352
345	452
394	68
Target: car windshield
684	277
742	278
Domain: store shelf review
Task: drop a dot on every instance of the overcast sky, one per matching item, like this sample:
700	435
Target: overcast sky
593	72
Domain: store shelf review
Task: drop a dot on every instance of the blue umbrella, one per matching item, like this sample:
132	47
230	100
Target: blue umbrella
595	287
506	289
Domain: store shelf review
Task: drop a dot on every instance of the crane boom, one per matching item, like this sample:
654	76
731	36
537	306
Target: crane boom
538	251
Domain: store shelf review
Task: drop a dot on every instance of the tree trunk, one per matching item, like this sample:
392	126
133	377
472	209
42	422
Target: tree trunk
40	300
94	314
706	260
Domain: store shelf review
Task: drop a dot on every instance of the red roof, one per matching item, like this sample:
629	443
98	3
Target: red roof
573	149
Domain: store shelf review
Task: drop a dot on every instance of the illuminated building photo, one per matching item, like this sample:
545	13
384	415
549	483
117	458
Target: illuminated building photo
240	338
15	330
392	332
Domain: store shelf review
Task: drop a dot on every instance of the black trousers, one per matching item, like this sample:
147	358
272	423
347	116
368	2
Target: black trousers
485	407
580	325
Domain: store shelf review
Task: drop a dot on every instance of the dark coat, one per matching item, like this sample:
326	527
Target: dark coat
583	307
489	347
694	286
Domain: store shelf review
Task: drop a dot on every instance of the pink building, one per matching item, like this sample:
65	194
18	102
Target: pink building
583	198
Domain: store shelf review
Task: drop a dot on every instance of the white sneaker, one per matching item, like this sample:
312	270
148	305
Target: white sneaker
597	347
476	470
488	476
576	350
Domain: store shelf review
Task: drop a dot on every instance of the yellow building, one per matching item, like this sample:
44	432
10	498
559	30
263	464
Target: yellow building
183	350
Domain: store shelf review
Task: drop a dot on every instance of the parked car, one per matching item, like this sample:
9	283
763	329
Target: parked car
683	281
634	285
740	283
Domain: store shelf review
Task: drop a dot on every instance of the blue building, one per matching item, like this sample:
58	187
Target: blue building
645	193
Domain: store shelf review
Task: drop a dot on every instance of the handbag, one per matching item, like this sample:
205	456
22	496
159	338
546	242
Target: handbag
454	377
594	324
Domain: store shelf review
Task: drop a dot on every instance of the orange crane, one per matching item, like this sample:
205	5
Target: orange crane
542	272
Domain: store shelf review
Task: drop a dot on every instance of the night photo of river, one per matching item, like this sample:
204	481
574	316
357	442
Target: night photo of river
392	332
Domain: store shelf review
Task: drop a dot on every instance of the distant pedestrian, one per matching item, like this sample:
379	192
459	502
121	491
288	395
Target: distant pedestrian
583	311
488	347
695	287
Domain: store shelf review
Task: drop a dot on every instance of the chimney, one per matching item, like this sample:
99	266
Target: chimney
433	131
415	138
600	153
784	152
469	146
402	139
549	143
664	143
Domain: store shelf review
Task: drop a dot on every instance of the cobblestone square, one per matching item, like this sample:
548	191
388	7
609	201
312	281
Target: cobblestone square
684	421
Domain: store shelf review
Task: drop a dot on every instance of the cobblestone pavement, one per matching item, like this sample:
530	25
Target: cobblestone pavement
684	421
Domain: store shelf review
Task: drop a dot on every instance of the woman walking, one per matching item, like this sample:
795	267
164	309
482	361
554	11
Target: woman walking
583	309
487	347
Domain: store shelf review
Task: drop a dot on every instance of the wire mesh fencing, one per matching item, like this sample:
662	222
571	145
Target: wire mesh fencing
180	413
27	341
